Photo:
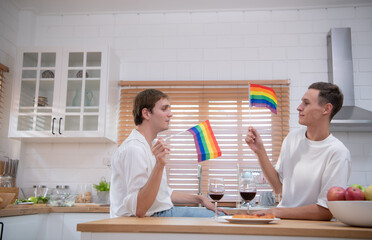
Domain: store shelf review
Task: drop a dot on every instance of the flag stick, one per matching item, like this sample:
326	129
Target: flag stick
249	111
175	135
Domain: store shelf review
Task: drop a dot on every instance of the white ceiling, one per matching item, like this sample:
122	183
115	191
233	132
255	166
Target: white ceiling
53	7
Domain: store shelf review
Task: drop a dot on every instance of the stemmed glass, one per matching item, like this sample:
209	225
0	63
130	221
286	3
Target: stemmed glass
216	190
247	188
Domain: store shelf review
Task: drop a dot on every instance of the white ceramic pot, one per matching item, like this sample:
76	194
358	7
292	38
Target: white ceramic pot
104	197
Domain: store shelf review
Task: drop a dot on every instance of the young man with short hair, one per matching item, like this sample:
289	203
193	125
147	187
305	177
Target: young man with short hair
311	159
138	183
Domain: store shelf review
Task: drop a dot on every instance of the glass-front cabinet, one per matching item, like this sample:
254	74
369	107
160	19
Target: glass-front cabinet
36	95
65	94
82	98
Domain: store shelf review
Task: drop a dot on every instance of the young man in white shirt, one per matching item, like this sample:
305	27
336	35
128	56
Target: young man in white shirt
311	159
139	184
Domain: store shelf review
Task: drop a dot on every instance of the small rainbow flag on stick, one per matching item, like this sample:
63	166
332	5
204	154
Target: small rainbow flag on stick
261	96
205	142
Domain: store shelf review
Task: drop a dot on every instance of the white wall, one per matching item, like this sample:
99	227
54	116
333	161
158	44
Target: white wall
273	44
9	16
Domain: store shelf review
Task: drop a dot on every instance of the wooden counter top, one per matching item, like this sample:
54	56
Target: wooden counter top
209	226
18	210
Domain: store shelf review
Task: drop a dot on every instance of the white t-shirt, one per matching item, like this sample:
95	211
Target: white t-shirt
132	164
307	169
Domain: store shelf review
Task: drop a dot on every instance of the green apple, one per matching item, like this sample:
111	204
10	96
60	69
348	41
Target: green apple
368	193
358	186
32	199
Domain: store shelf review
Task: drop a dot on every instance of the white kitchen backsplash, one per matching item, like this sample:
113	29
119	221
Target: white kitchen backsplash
70	164
360	146
222	45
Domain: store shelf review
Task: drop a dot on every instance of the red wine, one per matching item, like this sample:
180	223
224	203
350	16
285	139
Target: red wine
248	196
216	197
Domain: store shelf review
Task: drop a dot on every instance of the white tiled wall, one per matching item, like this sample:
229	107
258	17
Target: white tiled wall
71	164
223	45
8	37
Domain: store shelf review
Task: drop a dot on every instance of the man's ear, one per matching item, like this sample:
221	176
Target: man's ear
145	113
327	109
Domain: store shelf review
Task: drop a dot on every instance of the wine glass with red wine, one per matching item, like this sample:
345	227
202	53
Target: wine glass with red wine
247	189
216	190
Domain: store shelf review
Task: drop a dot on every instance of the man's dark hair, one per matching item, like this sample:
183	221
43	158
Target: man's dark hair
329	93
145	99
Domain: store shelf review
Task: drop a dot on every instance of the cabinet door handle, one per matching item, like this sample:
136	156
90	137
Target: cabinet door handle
53	126
2	228
59	127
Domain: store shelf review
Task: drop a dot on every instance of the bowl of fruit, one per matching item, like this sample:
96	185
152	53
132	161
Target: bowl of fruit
352	206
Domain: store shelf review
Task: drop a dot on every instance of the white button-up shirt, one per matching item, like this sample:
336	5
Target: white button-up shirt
132	164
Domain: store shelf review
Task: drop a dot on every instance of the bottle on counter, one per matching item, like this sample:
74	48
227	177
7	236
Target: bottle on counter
40	191
84	193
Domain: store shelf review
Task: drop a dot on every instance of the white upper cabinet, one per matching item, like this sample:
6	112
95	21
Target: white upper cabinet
65	95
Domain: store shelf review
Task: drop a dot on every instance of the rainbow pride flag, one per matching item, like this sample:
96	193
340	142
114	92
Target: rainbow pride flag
261	96
205	142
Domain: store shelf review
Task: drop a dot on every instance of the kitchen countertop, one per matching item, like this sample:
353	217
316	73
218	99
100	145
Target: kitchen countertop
18	210
299	228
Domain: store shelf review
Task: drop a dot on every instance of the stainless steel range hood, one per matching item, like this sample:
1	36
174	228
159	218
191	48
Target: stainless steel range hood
340	72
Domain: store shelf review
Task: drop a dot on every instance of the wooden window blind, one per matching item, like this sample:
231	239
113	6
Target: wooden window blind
226	105
3	69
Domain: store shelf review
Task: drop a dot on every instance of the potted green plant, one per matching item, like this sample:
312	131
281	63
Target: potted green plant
103	190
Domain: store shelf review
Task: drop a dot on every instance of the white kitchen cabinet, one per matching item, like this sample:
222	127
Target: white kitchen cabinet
65	94
31	227
56	226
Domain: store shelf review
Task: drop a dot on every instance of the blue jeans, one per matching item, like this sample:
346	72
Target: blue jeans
186	212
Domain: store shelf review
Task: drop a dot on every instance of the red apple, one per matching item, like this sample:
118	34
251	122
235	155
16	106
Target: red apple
354	193
336	194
